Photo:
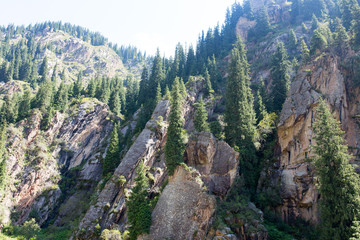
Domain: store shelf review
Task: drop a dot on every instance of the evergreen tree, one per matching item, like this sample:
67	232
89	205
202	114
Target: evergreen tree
78	87
44	67
201	116
144	86
43	97
239	114
355	228
305	51
292	40
61	98
9	109
91	88
112	159
158	94
25	105
174	148
46	121
314	23
157	76
207	84
33	76
262	26
138	205
356	25
280	76
341	38
167	93
53	77
115	103
339	185
260	108
318	41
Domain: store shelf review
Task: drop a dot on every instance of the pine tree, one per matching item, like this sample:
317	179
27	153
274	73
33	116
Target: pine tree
78	87
355	228
25	105
239	113
318	41
61	98
292	40
174	148
280	76
262	26
356	25
115	103
91	88
201	116
112	158
207	84
138	205
339	185
305	51
43	96
315	22
44	67
9	109
158	94
260	108
341	38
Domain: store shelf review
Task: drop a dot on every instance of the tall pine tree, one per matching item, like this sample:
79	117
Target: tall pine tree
339	185
175	147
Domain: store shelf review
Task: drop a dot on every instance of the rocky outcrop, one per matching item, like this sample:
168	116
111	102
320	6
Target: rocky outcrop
184	209
109	208
37	160
216	161
293	173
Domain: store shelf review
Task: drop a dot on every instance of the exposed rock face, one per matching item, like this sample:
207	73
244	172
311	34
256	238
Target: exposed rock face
293	173
34	168
216	161
110	206
184	209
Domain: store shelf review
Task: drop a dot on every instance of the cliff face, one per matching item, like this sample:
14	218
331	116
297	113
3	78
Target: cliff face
293	172
37	158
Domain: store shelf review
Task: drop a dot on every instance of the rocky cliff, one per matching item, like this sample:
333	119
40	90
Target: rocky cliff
292	172
40	162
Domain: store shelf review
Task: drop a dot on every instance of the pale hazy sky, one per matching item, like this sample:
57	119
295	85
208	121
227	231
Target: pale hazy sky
147	24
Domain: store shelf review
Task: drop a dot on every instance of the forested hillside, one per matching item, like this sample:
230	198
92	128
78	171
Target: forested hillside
251	134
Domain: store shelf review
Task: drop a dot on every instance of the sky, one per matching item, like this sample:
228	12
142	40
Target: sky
146	24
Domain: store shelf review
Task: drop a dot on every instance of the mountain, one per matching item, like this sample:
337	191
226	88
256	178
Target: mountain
215	143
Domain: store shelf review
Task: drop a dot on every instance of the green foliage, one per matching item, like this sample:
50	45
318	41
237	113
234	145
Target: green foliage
305	51
207	85
112	158
280	75
262	26
138	205
175	147
292	43
339	184
201	115
216	129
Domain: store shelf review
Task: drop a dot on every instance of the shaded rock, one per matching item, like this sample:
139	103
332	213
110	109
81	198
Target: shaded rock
216	161
183	210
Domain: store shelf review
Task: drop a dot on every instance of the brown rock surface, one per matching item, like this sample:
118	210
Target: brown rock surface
184	209
293	172
216	161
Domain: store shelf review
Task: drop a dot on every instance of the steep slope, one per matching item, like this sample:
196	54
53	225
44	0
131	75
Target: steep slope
293	171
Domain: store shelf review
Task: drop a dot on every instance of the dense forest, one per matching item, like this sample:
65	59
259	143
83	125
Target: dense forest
247	78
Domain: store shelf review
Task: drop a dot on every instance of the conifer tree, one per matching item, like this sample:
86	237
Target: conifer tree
112	158
239	113
356	25
341	38
318	41
9	109
339	185
279	74
305	51
61	98
158	94
78	87
143	88
201	116
25	105
315	22
292	40
207	84
167	93
262	26
44	67
260	108
43	97
91	88
174	148
138	205
115	103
